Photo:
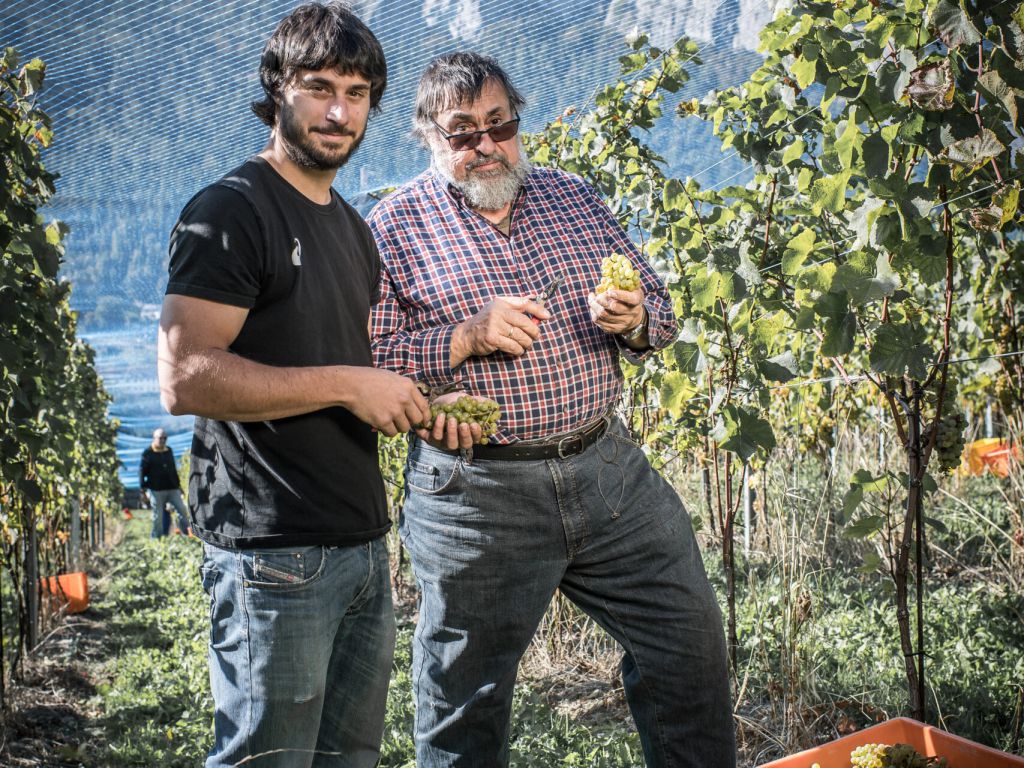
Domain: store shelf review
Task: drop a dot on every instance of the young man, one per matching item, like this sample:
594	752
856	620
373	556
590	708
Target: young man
264	337
158	476
564	498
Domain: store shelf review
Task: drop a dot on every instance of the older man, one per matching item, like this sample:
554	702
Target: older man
562	497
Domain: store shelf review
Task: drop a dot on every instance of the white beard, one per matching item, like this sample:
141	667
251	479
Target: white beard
488	190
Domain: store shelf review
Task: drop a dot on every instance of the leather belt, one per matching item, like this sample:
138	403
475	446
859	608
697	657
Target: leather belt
559	447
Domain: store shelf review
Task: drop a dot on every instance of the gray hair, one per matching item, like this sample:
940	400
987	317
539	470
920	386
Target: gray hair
454	78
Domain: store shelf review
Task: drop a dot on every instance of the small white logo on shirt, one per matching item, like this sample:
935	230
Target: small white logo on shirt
297	253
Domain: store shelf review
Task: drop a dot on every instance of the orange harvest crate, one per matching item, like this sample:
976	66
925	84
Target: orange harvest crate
927	740
72	587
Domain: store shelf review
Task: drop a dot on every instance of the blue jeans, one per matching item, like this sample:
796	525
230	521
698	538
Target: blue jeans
491	541
161	522
301	646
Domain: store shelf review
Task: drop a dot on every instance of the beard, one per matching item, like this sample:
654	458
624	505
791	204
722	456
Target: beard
488	190
302	149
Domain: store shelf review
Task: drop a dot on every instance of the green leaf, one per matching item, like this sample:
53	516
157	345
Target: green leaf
742	432
951	23
797	250
871	563
707	288
803	70
851	500
850	140
866	281
875	154
675	392
865	527
829	193
972	153
793	152
673	195
689	357
32	74
901	348
780	368
999	90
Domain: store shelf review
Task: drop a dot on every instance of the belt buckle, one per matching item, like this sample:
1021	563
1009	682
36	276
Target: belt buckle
563	452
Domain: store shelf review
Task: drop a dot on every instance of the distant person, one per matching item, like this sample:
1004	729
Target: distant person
158	478
562	498
264	337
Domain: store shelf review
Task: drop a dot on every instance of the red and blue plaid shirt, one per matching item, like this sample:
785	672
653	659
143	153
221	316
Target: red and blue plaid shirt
442	263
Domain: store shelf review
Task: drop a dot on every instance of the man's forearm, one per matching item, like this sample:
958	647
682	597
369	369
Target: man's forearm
218	384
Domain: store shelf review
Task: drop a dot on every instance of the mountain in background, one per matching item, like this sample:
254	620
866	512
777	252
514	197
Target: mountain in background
150	102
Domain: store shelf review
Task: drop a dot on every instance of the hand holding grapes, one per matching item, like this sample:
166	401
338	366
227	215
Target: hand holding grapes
461	420
617	305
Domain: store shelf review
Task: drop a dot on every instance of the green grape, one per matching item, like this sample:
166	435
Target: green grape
869	756
892	756
949	426
466	410
617	272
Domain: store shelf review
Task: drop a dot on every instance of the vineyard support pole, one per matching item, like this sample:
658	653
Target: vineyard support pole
989	431
32	579
75	539
747	508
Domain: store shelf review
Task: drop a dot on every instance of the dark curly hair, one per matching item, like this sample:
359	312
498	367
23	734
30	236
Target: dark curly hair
319	36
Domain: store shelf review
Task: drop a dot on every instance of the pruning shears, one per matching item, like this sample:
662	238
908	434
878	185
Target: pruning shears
545	295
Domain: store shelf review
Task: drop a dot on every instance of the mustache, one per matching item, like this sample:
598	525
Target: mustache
332	131
484	159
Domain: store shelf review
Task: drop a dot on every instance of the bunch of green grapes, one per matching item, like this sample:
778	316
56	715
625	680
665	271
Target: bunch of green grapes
617	272
468	409
892	756
950	424
869	756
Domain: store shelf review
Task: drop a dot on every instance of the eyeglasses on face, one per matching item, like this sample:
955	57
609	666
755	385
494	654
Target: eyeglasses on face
461	142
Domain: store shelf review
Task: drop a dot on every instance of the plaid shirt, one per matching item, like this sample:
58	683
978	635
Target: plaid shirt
442	263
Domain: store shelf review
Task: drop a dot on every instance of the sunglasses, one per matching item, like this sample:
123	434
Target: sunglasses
460	142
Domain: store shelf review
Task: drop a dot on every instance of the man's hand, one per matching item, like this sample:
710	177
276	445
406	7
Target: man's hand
446	432
387	401
503	325
617	311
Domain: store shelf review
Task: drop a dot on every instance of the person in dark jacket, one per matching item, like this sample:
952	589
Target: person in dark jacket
158	477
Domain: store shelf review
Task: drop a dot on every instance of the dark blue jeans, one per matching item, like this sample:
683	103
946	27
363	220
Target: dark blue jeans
491	541
301	646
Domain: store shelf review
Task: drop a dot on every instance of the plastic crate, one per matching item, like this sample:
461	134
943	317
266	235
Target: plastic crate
73	588
927	740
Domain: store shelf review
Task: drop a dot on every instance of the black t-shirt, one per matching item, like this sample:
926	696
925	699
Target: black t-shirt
308	275
157	470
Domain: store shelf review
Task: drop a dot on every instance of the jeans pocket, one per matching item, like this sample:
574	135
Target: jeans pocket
431	476
282	568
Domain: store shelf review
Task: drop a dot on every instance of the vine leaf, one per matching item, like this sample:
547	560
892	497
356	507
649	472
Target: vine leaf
829	193
951	23
780	368
675	392
866	281
742	432
971	153
797	250
900	348
932	86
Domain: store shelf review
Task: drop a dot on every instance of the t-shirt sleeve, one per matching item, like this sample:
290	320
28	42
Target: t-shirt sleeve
216	249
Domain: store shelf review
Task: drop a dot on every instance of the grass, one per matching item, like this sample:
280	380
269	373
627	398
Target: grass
819	653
